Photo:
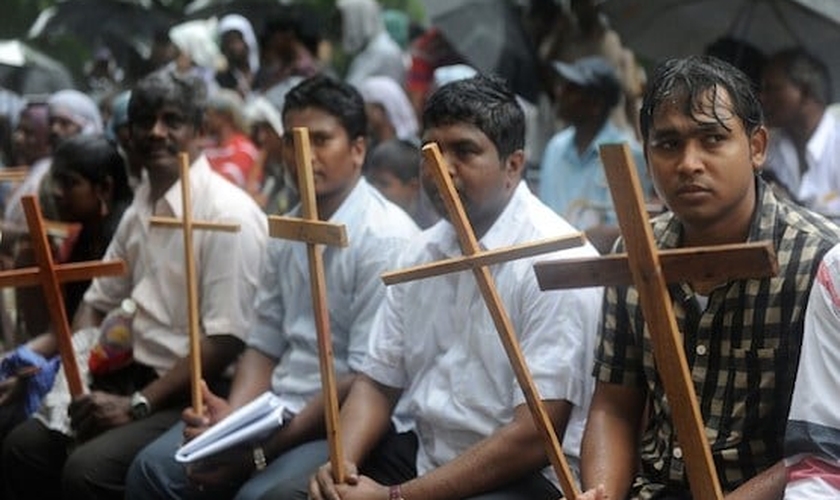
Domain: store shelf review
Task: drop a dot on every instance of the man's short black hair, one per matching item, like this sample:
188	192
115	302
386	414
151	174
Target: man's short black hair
807	73
337	98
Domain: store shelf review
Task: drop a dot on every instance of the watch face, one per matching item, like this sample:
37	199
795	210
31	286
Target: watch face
139	407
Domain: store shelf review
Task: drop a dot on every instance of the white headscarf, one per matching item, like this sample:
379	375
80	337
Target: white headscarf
260	109
195	38
78	108
235	22
385	91
361	21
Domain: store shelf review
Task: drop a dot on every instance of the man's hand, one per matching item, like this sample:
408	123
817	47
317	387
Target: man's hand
231	467
91	414
215	409
322	486
594	494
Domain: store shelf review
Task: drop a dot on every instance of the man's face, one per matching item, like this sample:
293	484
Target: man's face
483	181
158	136
704	172
780	98
234	48
392	187
31	138
336	159
62	127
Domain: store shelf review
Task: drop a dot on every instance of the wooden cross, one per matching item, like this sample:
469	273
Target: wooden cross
314	232
649	270
50	276
477	260
186	224
13	174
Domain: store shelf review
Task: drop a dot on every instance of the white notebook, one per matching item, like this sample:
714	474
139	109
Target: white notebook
253	421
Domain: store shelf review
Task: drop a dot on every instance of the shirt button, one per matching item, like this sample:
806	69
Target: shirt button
700	350
677	452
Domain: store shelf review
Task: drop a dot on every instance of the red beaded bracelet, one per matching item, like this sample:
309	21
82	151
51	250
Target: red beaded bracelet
395	493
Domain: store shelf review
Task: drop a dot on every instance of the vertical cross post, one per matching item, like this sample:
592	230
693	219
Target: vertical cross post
314	233
187	225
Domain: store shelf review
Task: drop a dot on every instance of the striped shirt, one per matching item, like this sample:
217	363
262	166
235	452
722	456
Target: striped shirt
741	344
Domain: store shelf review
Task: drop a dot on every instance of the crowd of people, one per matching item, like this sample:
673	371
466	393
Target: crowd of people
727	152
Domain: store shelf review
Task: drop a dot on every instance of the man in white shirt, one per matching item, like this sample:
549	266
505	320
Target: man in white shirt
804	151
143	400
282	352
462	427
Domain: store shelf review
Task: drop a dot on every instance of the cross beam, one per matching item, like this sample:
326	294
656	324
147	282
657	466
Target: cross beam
314	232
714	264
50	276
187	225
477	260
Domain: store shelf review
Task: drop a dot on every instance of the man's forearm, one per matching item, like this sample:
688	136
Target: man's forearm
769	485
365	416
307	425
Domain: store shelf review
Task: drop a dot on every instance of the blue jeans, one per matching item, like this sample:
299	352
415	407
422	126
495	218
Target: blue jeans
155	474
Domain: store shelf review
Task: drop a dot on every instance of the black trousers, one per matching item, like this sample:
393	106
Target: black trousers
41	463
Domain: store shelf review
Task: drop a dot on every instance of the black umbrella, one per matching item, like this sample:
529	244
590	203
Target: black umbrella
27	71
126	27
489	35
656	29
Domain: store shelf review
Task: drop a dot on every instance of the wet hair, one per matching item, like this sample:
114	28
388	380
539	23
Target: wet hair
95	158
689	79
484	102
397	156
806	72
164	87
333	96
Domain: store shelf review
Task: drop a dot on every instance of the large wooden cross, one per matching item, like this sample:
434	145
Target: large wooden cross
50	276
314	232
478	261
186	224
649	270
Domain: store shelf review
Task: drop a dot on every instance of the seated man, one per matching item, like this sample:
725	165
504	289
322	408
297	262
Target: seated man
463	428
40	457
282	352
705	142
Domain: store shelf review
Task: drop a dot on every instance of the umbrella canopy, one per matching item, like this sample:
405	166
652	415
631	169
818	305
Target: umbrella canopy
126	27
490	37
27	71
657	29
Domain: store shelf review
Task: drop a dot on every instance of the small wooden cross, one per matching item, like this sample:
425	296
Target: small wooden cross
649	270
50	276
13	174
187	225
477	260
315	232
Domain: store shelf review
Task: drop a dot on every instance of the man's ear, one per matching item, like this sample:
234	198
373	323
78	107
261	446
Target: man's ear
758	147
515	163
358	150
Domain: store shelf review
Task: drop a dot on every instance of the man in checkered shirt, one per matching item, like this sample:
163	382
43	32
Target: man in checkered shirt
704	143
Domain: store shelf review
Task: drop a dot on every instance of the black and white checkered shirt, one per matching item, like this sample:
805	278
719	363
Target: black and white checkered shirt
742	351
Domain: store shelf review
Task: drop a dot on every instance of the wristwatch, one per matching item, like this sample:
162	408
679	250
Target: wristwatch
140	407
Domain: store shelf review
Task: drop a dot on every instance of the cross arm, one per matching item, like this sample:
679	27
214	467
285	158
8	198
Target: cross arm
315	232
195	224
486	258
718	263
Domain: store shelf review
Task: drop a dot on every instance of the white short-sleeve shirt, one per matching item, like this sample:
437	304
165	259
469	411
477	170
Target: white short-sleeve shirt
435	339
